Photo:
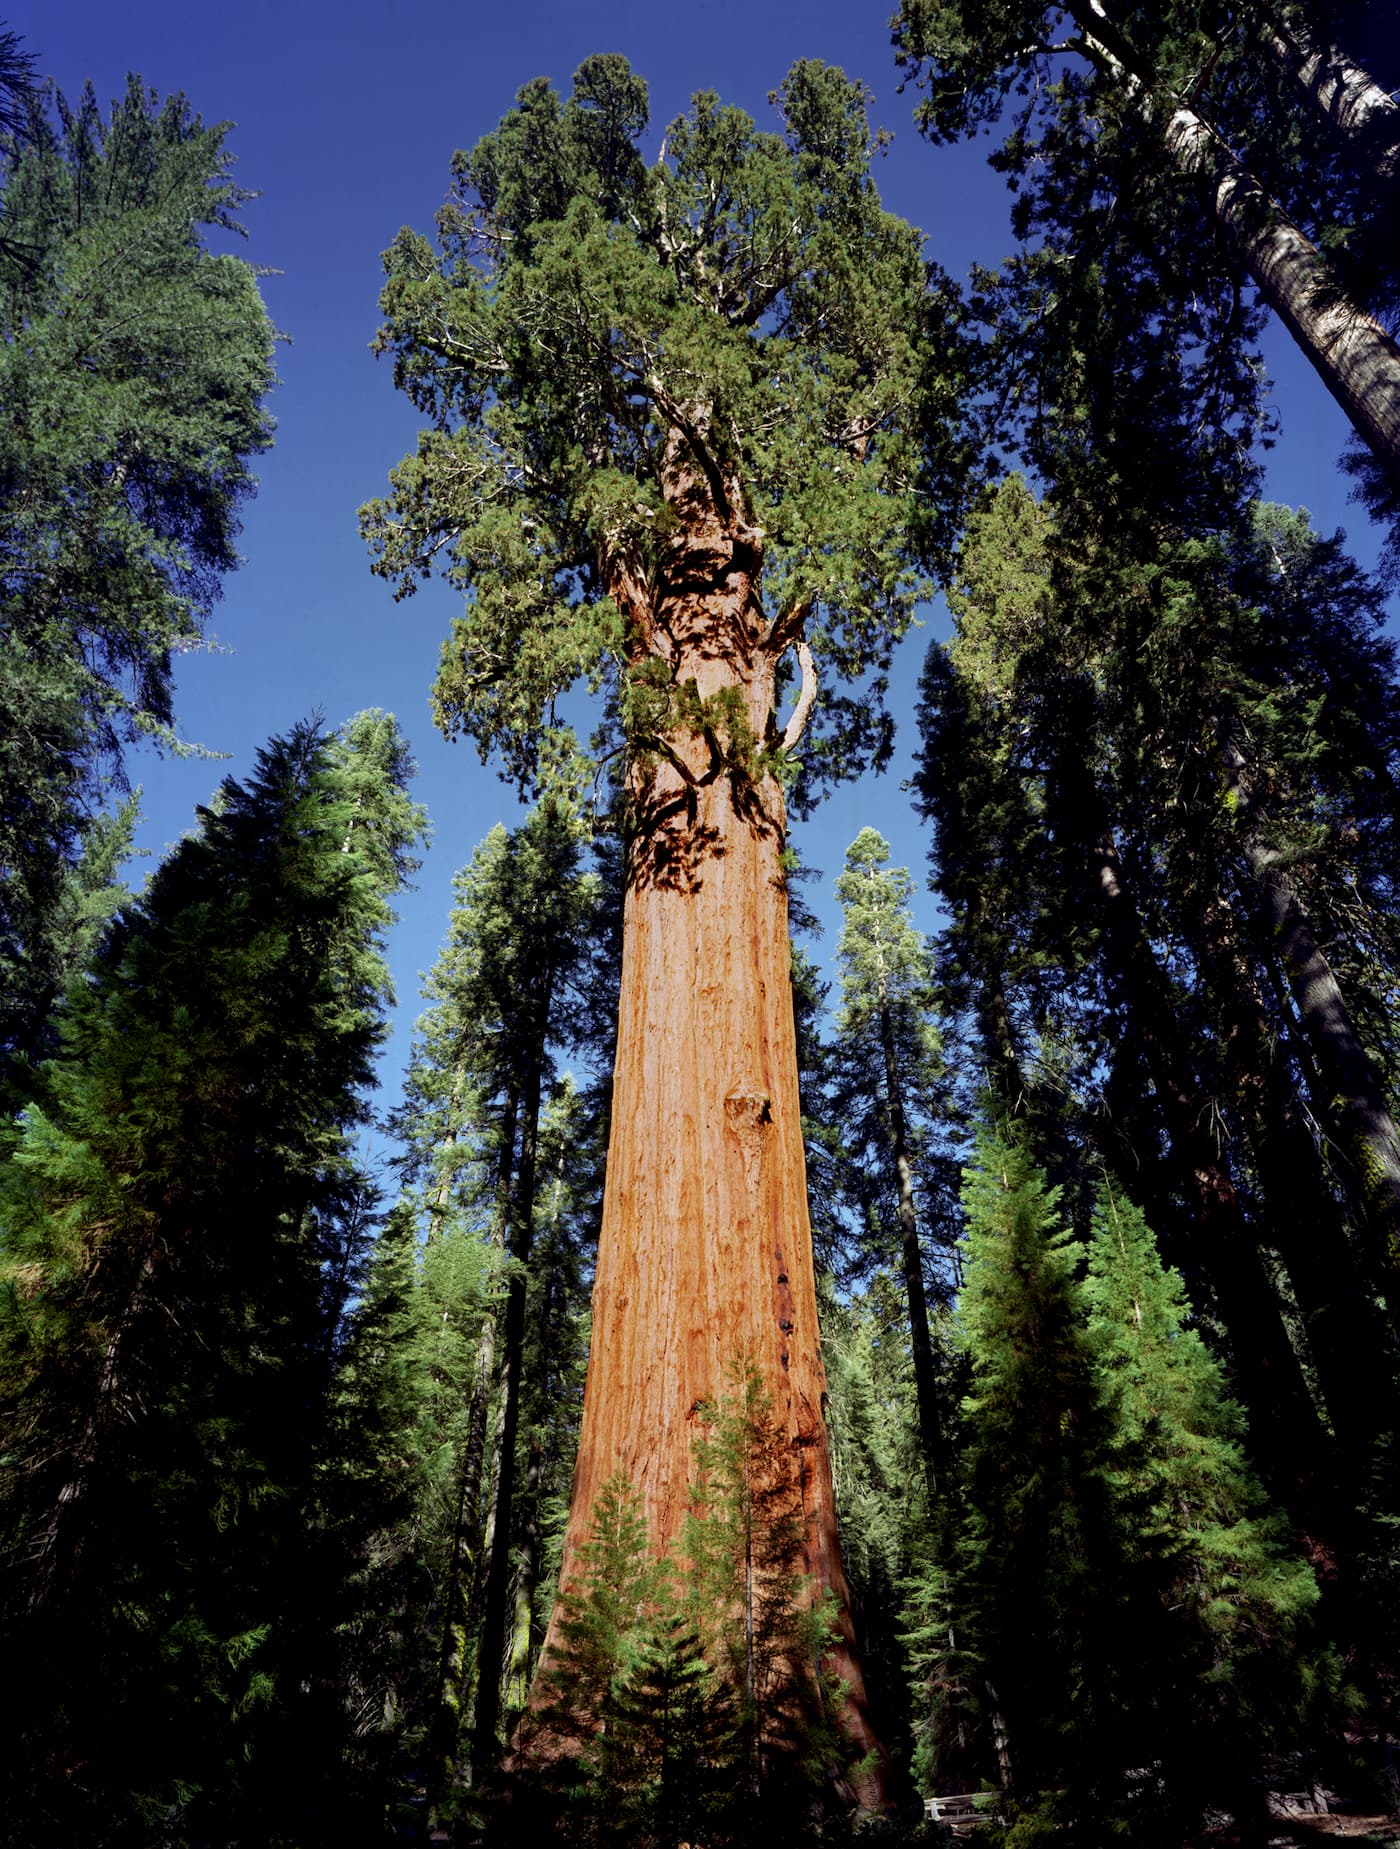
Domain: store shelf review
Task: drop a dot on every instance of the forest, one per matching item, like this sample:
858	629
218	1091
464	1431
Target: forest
723	1391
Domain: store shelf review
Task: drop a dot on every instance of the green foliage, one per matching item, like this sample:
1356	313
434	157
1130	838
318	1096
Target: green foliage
182	1221
133	364
688	1690
623	363
1121	1616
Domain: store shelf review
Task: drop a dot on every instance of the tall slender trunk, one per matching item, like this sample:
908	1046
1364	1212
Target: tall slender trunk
491	1665
464	1572
1271	1381
1354	1101
1346	1332
1346	94
931	1441
1349	350
705	1249
519	1653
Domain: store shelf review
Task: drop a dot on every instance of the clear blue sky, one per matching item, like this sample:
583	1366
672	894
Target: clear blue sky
346	117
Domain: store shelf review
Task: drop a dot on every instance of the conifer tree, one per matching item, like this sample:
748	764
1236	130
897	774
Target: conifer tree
679	416
888	1069
180	1217
133	366
485	1155
1123	1622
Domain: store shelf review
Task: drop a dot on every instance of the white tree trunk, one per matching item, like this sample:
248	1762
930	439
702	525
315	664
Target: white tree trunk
1347	95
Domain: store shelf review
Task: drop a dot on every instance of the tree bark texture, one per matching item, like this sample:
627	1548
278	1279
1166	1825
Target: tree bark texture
1347	95
705	1250
1351	353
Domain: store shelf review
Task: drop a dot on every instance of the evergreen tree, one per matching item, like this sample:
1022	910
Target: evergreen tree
1218	173
1123	1621
1236	1669
888	1068
180	1221
679	415
501	1162
133	365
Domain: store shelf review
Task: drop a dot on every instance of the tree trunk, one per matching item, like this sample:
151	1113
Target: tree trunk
491	1645
1351	353
1346	1332
459	1608
911	1258
1280	1408
1353	1101
705	1250
1347	95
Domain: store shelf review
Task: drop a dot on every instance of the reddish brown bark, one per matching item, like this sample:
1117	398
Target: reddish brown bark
705	1248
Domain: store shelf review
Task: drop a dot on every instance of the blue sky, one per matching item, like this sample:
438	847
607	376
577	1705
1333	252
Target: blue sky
346	116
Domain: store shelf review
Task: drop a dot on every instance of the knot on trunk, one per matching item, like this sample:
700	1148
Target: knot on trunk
747	1113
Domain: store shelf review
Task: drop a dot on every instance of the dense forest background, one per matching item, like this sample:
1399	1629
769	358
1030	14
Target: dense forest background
1094	972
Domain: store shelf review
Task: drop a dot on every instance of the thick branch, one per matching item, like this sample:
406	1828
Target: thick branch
797	725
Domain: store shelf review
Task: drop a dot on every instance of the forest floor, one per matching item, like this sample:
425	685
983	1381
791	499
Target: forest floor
1381	1831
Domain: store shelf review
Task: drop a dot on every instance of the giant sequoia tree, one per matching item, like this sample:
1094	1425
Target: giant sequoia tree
679	414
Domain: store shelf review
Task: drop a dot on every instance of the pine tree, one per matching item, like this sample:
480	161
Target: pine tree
180	1221
1234	1668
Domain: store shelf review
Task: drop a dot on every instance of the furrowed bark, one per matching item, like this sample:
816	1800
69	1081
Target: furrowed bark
1351	353
705	1249
1349	97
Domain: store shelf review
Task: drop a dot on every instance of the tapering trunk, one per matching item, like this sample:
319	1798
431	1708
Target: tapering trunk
705	1250
1351	353
520	1650
1352	1100
1348	96
931	1441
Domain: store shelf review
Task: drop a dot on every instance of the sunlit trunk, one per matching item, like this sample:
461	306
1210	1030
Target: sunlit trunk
1351	353
705	1250
1347	95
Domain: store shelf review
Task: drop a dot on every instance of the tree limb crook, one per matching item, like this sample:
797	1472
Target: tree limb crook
797	725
